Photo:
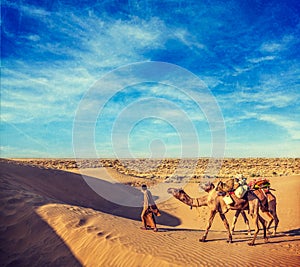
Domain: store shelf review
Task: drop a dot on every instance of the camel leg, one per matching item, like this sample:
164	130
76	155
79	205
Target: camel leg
263	222
235	217
256	228
271	217
223	218
246	221
210	221
253	210
276	221
237	213
271	214
272	209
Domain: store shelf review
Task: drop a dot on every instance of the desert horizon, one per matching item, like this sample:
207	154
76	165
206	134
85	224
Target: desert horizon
163	167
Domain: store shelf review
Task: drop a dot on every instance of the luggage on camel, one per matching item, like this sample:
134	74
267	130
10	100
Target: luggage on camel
261	183
231	185
241	191
227	199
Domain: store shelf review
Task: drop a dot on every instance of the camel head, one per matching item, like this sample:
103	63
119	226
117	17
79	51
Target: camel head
175	191
179	194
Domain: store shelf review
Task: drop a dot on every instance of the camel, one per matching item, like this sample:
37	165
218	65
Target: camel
270	213
217	205
268	201
262	191
272	209
202	201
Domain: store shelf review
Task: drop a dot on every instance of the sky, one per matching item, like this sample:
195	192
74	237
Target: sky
150	78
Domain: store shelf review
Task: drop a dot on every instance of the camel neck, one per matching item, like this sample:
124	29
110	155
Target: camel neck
199	202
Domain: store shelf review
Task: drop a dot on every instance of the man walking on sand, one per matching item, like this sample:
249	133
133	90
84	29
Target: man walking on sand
149	209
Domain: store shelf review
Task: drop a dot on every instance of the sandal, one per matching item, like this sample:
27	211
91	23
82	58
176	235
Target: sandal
155	230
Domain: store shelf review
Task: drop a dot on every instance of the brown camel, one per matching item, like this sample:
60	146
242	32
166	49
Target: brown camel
216	204
268	207
202	201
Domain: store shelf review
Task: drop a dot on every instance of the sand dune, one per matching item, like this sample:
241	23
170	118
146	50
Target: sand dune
53	218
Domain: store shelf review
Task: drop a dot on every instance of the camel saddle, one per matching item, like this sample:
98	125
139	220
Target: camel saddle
260	183
233	193
263	199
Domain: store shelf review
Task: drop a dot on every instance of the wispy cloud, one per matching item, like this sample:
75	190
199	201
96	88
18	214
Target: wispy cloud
54	54
277	46
261	59
291	126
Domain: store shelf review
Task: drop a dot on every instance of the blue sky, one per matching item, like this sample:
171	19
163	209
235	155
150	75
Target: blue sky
245	52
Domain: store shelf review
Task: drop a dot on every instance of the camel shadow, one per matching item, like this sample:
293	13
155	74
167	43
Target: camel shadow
162	229
271	239
285	234
293	232
278	242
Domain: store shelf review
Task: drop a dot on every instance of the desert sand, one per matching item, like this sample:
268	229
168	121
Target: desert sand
51	217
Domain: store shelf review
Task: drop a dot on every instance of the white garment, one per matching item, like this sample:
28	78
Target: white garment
148	199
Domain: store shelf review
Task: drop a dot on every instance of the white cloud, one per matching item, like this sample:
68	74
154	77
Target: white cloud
277	46
271	47
51	90
267	95
33	37
261	59
288	124
51	95
189	40
291	126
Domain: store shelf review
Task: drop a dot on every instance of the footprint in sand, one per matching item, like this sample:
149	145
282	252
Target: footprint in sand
81	222
107	236
99	234
91	229
74	209
111	238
